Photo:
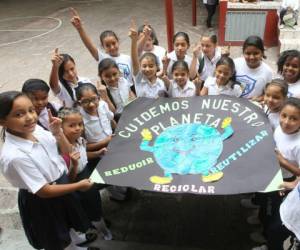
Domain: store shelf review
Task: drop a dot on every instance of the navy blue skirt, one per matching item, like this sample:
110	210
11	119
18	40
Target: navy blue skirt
47	221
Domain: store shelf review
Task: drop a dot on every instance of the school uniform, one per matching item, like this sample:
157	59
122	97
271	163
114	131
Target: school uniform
64	96
30	166
214	89
294	89
97	128
253	80
144	88
120	94
159	52
273	117
209	65
188	90
173	58
123	61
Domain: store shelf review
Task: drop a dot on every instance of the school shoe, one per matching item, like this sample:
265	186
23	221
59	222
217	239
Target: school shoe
258	237
103	229
262	247
253	220
247	203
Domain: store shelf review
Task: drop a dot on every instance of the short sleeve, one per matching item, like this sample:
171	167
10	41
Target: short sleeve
24	172
108	113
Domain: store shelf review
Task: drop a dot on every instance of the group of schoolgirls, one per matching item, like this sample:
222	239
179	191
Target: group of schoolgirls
49	152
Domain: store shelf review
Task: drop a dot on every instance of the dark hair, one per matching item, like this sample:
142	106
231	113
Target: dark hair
279	83
32	85
64	112
180	64
84	87
151	56
61	71
6	103
106	64
292	101
285	56
255	41
182	34
152	34
107	33
226	60
212	37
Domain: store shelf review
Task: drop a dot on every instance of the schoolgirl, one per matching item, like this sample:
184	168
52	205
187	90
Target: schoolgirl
109	43
205	57
251	71
147	84
289	69
72	125
37	90
223	81
30	161
64	79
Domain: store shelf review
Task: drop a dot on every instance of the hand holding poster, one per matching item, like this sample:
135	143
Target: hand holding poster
203	145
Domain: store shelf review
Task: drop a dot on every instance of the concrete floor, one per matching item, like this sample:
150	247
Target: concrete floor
148	220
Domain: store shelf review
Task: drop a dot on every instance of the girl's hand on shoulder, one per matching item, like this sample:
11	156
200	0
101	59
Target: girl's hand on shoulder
133	34
56	58
75	19
54	124
197	50
85	185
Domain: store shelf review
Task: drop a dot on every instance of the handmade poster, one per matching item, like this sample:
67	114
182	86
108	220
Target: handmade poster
201	145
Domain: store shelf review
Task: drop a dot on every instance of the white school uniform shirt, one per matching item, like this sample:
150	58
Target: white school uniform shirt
273	117
80	147
290	212
123	61
210	65
98	127
294	89
253	80
144	88
173	59
31	165
120	94
294	4
159	52
44	116
214	89
289	146
63	94
188	90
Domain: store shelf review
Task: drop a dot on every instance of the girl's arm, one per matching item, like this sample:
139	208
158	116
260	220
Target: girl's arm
143	38
284	163
166	81
194	63
102	90
98	145
75	156
204	91
87	41
56	60
134	50
96	154
51	191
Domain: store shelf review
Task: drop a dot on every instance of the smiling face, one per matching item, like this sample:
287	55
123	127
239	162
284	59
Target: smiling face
111	45
180	46
253	56
89	102
72	127
223	73
39	100
290	119
22	119
274	98
180	76
70	72
291	69
149	68
111	76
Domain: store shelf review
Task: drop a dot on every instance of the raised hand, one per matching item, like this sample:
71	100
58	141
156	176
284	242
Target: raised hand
56	58
54	124
74	156
165	62
75	19
133	34
197	50
102	90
